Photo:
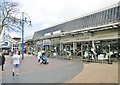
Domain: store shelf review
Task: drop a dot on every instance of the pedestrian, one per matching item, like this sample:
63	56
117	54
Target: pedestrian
16	61
93	52
3	61
39	56
12	53
0	59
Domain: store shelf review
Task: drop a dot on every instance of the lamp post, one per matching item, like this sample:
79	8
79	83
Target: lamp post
23	20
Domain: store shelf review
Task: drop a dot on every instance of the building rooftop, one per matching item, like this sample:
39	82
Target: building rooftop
99	18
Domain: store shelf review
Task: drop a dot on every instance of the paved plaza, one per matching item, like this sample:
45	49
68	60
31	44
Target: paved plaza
97	73
61	71
57	71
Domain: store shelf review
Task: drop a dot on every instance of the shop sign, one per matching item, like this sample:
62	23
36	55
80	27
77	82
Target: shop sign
97	36
39	42
82	38
111	35
5	44
47	42
76	39
55	40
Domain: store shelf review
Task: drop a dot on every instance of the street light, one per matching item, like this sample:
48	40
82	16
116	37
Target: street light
23	20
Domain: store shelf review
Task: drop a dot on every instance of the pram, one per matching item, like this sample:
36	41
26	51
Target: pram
44	60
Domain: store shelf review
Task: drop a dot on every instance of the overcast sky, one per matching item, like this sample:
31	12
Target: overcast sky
46	13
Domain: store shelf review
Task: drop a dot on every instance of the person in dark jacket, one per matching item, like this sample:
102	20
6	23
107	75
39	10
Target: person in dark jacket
0	60
3	61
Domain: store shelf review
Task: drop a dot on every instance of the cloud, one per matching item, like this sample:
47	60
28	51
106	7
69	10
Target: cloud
45	13
46	25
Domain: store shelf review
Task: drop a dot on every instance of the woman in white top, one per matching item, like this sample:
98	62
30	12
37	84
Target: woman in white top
39	55
16	60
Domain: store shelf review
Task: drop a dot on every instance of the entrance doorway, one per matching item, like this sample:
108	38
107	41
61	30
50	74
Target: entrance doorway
84	47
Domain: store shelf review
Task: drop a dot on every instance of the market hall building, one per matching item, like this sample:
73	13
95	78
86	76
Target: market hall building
99	30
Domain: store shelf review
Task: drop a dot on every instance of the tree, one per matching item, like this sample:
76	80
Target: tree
7	12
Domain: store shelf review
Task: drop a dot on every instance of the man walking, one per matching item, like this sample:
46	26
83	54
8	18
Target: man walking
16	60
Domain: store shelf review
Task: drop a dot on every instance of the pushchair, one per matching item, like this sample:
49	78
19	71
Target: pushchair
44	60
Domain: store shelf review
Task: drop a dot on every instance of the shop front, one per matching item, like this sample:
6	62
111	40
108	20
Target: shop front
102	41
